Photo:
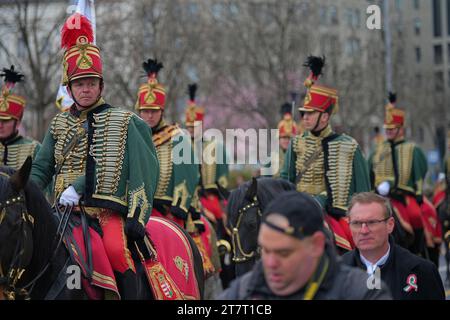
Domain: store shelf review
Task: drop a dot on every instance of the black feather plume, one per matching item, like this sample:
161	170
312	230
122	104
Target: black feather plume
392	97
192	89
152	66
315	64
11	76
286	108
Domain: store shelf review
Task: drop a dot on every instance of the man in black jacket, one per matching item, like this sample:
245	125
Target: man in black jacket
298	261
408	276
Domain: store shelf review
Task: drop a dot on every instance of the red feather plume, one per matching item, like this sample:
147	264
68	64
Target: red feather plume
75	26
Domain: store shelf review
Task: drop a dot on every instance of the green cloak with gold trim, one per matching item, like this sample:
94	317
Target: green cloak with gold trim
179	174
14	151
107	154
214	173
403	164
330	167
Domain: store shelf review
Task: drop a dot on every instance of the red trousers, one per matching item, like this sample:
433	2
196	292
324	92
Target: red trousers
115	241
410	214
211	204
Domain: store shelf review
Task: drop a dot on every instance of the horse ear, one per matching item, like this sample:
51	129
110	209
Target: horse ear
252	190
224	193
20	177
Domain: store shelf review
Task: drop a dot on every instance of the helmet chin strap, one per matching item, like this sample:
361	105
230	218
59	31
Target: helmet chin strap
314	130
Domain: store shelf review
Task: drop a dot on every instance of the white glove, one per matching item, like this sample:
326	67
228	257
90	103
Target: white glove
383	188
69	197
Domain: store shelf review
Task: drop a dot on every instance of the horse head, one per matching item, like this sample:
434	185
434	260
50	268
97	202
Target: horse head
245	207
16	226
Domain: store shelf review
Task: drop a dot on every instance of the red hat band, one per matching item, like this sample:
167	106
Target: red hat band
81	62
11	106
194	113
319	98
394	117
151	96
287	127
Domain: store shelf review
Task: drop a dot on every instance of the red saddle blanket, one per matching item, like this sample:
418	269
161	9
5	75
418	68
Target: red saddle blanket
175	255
410	215
341	231
171	274
431	223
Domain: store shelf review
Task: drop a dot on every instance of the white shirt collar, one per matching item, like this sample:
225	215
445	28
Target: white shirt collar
371	267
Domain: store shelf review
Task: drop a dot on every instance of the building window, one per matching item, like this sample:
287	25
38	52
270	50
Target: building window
421	134
357	18
302	9
449	78
448	52
417	4
333	15
418	54
352	47
437	28
193	9
217	10
323	14
398	4
438	54
448	17
353	17
439	81
417	26
418	79
233	9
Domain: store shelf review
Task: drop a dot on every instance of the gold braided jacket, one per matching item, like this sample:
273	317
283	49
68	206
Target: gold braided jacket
15	151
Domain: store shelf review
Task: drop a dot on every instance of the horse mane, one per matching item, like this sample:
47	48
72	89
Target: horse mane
268	188
44	228
4	172
44	225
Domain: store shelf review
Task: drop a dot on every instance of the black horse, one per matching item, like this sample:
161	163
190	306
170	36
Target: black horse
33	259
27	234
245	206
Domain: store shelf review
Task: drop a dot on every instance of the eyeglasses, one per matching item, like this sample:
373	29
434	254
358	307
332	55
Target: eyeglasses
357	225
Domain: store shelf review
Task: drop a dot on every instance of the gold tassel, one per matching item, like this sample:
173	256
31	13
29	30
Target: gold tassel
190	226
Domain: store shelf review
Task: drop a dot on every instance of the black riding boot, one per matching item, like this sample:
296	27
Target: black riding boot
128	285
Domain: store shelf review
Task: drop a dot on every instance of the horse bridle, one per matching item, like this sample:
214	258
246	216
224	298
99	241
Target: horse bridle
235	237
21	257
18	264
